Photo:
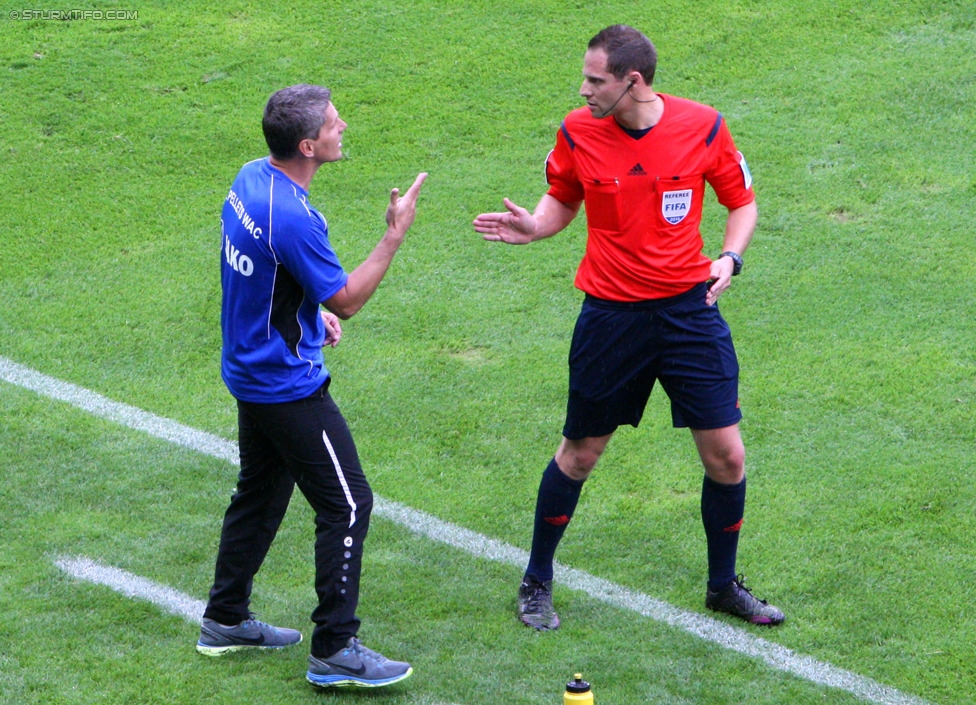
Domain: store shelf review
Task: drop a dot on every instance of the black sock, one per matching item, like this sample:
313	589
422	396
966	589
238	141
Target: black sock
554	508
722	507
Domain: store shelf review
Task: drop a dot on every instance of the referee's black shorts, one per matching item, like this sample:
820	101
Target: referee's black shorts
619	349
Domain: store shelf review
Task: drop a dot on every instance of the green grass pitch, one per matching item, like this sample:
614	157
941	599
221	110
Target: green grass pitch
853	321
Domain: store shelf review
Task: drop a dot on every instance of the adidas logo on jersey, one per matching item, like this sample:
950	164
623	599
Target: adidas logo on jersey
638	170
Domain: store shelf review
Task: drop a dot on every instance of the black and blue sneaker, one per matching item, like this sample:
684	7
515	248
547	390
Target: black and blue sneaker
355	665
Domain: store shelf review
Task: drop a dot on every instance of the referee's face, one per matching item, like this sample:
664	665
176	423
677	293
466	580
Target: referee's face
601	90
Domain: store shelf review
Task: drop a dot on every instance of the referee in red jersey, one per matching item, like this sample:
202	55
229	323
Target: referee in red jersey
640	160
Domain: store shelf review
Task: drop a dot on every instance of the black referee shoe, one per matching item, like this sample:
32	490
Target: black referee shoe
535	604
738	601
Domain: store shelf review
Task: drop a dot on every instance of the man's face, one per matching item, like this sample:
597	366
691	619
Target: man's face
600	89
327	147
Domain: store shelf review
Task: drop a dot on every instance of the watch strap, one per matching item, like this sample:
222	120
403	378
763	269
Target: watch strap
736	261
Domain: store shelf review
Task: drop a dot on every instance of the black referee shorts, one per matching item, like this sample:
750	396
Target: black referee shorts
620	349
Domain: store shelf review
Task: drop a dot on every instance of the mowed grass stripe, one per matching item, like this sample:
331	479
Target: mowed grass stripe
724	635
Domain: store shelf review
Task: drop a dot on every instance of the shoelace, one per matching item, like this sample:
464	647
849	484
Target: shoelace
537	596
363	651
740	580
252	622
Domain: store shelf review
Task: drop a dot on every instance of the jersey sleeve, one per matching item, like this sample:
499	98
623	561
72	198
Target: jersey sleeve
308	256
564	184
728	174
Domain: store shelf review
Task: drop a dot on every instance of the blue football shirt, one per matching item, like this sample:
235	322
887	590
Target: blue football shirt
277	266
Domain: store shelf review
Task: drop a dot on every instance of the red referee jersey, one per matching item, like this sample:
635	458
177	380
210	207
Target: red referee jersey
644	196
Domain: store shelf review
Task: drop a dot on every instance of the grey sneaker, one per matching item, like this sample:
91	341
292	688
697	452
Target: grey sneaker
357	666
535	604
738	601
217	639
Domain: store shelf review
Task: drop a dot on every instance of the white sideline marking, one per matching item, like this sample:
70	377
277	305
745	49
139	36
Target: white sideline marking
720	633
130	585
122	414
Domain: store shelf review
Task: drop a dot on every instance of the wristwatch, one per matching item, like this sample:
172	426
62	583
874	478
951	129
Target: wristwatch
736	259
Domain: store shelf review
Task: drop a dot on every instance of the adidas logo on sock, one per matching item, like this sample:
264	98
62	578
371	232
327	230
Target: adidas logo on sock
638	170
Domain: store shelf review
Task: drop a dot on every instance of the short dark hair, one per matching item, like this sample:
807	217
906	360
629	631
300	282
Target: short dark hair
627	50
294	114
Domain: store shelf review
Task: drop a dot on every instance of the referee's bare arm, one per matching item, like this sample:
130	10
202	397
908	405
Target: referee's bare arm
739	227
517	226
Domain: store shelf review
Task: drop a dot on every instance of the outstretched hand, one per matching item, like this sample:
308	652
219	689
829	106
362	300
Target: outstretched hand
401	212
516	226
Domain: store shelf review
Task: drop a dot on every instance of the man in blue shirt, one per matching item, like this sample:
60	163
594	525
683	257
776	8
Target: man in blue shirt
277	267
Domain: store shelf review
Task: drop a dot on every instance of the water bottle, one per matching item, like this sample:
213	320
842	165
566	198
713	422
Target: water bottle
578	692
